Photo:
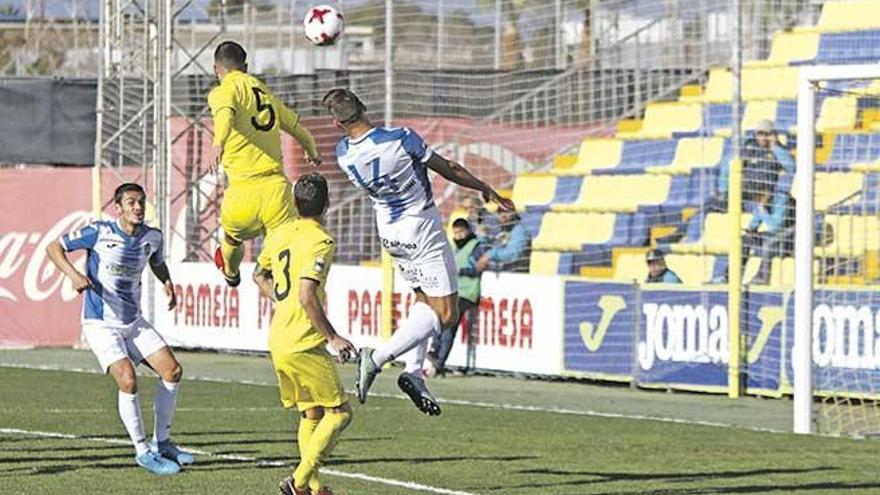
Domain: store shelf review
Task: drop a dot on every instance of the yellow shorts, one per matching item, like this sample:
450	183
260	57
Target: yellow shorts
308	379
255	206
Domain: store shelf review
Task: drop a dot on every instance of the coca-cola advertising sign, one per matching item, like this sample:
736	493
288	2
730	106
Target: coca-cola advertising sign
37	302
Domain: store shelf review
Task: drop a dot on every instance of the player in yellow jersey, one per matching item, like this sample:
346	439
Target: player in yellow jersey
248	120
292	269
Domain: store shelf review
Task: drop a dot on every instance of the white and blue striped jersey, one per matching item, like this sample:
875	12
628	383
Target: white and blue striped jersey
390	166
114	264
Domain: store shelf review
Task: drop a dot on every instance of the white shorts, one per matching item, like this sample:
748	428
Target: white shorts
421	252
110	343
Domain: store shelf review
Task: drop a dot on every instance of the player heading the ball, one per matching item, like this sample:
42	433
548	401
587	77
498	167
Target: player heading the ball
391	166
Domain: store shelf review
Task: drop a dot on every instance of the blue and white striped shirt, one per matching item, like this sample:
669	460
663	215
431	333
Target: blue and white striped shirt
114	264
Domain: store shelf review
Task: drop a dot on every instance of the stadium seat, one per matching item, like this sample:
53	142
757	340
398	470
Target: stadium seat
618	193
793	47
691	269
570	231
544	263
638	155
567	189
663	119
594	153
692	153
832	188
757	111
719	87
758	83
850	15
533	190
859	47
769	83
838	114
854	235
715	237
849	149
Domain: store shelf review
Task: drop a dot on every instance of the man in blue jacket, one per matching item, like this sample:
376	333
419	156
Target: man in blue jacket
512	248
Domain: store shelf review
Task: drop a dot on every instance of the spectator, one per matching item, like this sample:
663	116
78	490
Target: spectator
762	152
468	250
772	207
483	224
512	246
658	272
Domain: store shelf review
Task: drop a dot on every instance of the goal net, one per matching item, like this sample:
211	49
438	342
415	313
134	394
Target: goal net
836	308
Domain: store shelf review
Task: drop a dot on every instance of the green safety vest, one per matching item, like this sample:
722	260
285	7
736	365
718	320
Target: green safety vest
468	287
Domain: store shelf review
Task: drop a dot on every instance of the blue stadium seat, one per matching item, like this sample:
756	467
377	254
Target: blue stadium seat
717	116
849	48
567	189
852	148
786	114
638	155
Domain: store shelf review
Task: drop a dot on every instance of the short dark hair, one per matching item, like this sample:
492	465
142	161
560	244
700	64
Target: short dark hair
310	195
344	105
461	223
127	187
230	55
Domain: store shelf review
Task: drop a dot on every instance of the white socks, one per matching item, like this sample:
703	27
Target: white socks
163	405
417	328
130	413
415	361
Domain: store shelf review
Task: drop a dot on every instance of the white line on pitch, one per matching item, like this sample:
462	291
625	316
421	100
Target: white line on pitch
332	472
460	402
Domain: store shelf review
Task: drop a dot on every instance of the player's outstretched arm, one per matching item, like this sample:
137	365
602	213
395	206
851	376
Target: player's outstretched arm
59	258
161	272
308	299
455	173
264	281
290	124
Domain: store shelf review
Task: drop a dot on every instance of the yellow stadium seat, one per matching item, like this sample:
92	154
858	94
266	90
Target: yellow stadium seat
594	153
618	193
851	15
769	83
838	114
564	162
757	111
692	153
544	263
692	269
716	236
664	118
630	266
854	235
719	87
788	47
832	188
570	231
533	190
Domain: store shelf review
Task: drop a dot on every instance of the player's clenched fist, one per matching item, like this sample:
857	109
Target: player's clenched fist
343	347
81	282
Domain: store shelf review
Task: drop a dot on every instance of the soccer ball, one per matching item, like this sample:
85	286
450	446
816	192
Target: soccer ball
323	25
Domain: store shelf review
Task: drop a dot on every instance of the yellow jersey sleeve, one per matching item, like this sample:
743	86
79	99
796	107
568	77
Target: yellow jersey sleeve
221	97
318	261
264	260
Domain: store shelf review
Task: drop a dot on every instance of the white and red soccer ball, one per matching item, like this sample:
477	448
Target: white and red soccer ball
323	25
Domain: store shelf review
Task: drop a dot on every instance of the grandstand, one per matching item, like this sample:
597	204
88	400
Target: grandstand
671	156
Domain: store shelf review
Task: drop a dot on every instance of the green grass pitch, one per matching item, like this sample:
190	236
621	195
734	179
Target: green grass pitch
59	433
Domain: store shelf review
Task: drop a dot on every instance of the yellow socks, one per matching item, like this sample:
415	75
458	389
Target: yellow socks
304	435
232	256
323	439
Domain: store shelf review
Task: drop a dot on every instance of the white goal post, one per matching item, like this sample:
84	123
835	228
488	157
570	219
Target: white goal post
808	83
